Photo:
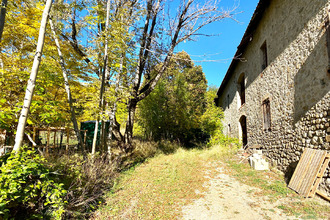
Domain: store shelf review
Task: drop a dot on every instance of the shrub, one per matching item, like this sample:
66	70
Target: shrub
28	189
86	179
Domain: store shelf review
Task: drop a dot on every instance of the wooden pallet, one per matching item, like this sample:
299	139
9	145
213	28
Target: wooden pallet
309	172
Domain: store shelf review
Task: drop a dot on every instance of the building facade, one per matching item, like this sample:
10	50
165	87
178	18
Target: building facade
276	92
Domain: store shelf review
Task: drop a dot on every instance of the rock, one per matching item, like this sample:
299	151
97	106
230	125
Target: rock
327	138
310	134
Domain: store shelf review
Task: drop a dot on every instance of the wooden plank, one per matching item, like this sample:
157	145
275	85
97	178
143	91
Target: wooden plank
302	169
312	164
320	175
318	192
293	184
306	181
315	171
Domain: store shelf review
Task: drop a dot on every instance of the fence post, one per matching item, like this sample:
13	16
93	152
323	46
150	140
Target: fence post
34	134
48	140
67	139
54	138
85	138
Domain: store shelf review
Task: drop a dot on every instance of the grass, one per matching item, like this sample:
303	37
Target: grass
272	184
157	188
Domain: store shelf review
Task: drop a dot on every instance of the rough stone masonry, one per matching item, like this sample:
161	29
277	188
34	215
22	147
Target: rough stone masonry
277	94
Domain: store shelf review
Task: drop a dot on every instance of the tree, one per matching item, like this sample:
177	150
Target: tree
173	110
67	85
2	16
32	80
211	120
157	44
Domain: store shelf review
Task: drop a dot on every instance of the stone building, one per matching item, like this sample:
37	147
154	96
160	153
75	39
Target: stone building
276	92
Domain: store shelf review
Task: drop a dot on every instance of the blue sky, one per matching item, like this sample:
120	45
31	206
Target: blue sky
214	54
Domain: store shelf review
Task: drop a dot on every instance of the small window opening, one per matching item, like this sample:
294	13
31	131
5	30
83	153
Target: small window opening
228	101
266	114
229	130
327	26
244	129
264	61
241	90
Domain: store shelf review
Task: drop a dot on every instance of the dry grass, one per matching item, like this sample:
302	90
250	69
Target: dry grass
272	184
157	188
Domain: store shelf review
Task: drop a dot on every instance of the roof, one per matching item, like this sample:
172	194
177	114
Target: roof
247	37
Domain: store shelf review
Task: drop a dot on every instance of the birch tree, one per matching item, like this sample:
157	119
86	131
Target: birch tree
66	85
31	82
105	72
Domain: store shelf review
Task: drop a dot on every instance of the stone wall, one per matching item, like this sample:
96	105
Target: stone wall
295	81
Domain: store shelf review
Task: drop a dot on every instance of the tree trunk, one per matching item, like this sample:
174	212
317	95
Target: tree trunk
95	136
104	73
129	124
67	86
2	16
112	113
32	80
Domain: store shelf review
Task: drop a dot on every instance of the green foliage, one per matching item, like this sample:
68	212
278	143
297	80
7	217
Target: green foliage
28	189
173	109
211	121
49	106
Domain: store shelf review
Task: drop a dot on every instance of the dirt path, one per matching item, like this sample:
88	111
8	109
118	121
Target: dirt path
227	198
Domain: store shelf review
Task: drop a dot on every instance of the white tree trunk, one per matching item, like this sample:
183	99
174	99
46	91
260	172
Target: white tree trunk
66	85
95	136
101	105
32	81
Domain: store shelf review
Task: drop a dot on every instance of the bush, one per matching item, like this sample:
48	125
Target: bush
86	179
28	189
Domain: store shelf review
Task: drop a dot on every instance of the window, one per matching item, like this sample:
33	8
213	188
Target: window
241	88
228	101
264	61
266	114
229	130
327	26
243	131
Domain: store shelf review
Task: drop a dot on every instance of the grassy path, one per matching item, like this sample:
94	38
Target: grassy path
173	186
